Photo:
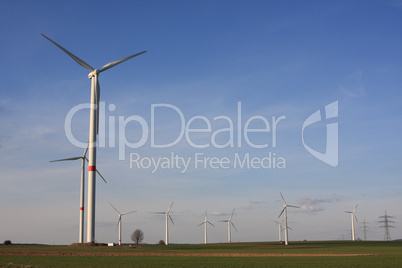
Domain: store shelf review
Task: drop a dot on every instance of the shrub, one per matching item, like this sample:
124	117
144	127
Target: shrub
161	242
7	242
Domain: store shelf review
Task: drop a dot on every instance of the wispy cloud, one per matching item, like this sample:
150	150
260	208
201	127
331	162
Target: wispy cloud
314	204
314	201
338	197
311	209
217	213
254	205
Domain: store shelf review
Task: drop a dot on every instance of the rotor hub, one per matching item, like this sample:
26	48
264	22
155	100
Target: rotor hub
93	73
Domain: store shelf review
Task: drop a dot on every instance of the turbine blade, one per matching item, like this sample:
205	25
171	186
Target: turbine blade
355	208
282	212
97	171
201	223
78	60
114	208
101	176
170	207
114	63
348	211
290	228
160	213
129	212
233	226
283	198
356	219
231	215
67	159
276	222
292	206
117	226
86	150
210	223
171	219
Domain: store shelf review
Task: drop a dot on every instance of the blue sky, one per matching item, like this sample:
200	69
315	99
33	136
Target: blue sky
206	58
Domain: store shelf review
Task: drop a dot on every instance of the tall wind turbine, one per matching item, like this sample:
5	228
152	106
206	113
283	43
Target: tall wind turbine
352	213
167	222
82	194
229	221
93	131
285	206
119	221
280	229
205	222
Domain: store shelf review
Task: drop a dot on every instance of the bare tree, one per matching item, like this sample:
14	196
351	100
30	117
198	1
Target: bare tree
137	236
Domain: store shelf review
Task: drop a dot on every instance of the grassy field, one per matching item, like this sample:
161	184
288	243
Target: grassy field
262	254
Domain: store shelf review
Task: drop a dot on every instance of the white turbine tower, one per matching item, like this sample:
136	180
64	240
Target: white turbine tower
82	194
93	131
167	222
119	221
285	206
205	222
280	229
352	213
229	221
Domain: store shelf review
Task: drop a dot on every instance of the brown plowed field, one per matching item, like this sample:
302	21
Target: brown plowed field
33	253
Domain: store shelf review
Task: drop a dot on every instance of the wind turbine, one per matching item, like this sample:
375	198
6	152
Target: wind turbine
167	221
352	213
280	229
285	206
82	194
93	130
229	221
119	221
205	222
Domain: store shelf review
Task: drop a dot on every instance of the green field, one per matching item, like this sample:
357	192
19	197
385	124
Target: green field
300	254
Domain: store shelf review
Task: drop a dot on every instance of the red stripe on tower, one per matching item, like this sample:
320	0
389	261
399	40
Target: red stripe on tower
91	168
81	208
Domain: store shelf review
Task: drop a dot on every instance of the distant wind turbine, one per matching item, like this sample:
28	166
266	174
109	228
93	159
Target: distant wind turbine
229	221
82	194
205	222
280	229
352	214
93	130
119	221
285	206
167	222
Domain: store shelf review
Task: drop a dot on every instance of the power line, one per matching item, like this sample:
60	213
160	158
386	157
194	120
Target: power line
365	229
386	220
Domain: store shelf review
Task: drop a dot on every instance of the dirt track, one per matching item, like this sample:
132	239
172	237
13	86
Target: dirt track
33	253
